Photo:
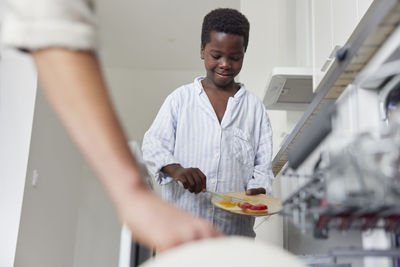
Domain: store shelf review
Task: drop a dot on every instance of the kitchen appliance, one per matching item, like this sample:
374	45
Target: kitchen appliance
289	88
344	152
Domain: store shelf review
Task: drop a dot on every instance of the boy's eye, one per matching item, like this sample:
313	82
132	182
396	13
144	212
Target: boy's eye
215	56
236	58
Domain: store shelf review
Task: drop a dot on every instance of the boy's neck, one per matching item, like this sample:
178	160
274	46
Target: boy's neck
230	88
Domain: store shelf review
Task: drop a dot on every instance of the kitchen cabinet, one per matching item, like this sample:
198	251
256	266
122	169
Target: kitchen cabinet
362	7
332	23
344	20
321	22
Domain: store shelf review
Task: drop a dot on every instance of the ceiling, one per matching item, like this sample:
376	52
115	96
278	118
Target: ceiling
154	34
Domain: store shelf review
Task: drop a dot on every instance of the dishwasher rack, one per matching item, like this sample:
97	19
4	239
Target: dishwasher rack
356	187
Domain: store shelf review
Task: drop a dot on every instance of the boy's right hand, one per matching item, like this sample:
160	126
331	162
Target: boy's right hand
192	179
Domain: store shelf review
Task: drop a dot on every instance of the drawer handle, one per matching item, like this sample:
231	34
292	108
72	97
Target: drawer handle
330	59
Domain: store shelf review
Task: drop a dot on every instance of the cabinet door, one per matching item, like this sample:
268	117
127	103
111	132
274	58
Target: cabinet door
344	20
333	22
362	7
321	38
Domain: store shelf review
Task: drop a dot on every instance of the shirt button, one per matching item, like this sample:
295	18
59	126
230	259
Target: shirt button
217	155
212	181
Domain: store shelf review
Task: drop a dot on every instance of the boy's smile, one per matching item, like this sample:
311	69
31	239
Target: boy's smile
223	59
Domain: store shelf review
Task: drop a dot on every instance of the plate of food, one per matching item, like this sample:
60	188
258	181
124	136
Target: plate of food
240	203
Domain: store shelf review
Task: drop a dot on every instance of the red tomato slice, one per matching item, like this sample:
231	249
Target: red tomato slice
247	205
259	207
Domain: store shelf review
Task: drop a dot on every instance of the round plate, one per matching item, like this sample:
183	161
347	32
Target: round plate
274	205
231	251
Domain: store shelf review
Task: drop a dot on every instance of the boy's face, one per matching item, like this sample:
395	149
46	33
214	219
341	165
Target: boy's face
223	58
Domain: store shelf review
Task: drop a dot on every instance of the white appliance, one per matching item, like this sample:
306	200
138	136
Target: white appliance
289	88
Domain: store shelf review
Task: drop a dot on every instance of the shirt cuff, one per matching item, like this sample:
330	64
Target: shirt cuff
265	183
160	177
32	35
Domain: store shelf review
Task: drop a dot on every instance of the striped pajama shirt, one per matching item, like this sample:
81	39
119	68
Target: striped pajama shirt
235	154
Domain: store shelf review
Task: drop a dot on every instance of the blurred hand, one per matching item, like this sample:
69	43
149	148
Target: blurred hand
160	225
192	179
255	191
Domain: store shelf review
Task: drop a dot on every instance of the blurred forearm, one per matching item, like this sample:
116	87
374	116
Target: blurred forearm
77	92
73	83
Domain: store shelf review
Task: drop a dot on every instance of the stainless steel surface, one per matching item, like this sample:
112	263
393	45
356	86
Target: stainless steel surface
360	252
356	186
311	137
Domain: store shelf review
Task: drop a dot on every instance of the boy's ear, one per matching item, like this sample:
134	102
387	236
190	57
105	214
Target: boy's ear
201	52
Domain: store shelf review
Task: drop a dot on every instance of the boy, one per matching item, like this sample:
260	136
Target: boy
213	135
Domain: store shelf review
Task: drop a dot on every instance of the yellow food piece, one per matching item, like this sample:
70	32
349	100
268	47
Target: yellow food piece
246	198
227	204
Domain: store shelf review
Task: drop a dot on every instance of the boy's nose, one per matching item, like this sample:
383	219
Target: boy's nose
225	63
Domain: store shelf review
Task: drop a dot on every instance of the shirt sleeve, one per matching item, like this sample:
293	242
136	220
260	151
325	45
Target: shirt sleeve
159	141
262	174
35	24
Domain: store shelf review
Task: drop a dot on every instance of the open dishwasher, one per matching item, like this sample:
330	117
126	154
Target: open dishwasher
344	155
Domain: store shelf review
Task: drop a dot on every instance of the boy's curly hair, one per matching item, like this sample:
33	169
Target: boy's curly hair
225	20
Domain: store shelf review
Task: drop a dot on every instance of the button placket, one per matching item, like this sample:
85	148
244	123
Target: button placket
217	156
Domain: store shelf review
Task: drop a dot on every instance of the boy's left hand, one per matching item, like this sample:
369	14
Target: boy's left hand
255	191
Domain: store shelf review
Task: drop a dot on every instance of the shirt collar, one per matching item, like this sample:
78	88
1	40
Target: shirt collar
200	89
198	85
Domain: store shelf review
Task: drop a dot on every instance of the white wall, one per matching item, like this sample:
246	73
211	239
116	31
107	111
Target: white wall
138	94
279	37
66	219
271	42
50	209
17	98
98	229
